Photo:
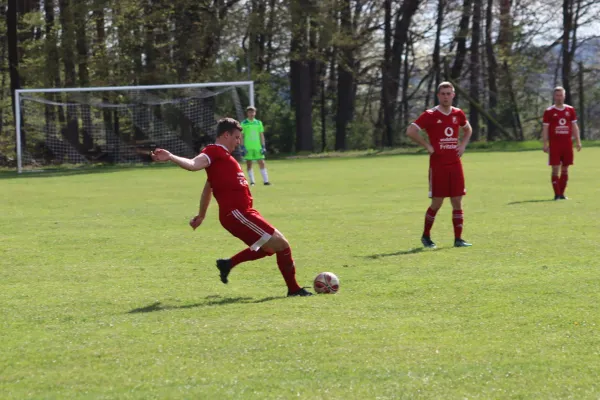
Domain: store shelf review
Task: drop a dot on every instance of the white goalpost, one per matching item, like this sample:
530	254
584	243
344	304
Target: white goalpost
120	124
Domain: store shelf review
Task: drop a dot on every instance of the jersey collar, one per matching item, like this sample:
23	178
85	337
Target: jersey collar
218	144
440	110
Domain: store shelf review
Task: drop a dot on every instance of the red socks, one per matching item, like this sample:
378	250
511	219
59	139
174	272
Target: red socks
429	220
556	185
285	262
562	183
248	255
457	221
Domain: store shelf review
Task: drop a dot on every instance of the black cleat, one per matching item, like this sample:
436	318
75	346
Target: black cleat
427	242
563	197
251	183
301	292
224	267
461	243
556	197
267	183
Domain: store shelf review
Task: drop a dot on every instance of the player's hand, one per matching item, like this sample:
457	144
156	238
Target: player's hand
579	146
196	221
263	150
546	148
430	149
160	155
461	150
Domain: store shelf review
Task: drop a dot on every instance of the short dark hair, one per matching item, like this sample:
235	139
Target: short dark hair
227	125
250	108
445	85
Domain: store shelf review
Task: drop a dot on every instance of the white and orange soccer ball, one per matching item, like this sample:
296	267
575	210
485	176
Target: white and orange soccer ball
326	282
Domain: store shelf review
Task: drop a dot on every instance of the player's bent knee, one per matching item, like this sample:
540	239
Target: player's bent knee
278	242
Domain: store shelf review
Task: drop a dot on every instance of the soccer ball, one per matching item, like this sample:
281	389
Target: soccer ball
326	282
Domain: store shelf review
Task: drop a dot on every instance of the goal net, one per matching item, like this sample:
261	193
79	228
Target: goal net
79	126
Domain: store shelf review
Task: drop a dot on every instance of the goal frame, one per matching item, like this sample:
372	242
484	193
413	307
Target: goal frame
18	92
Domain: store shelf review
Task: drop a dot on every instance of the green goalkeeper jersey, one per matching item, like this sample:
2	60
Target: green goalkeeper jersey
252	130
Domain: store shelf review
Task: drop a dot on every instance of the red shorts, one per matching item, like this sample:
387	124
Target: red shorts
561	154
447	181
248	226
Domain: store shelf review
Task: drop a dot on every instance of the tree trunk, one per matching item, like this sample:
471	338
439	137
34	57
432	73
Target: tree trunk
71	131
492	69
384	118
80	14
505	43
256	33
52	70
568	47
2	71
406	75
300	77
581	117
391	83
475	70
346	75
437	62
13	56
461	43
270	53
103	74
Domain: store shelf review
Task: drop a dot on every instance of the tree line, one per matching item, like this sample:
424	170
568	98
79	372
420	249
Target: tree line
329	74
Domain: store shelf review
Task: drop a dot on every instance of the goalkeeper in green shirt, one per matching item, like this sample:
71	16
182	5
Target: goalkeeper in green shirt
253	147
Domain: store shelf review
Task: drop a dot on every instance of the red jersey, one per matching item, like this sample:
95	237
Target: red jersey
560	124
227	180
442	130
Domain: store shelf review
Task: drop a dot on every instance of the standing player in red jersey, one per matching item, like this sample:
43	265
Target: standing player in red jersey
446	178
560	125
226	181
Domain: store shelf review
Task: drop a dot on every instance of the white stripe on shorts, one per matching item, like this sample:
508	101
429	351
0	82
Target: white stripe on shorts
264	236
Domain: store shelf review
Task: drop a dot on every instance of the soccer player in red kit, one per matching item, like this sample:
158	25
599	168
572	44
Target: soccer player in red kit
446	178
560	125
226	181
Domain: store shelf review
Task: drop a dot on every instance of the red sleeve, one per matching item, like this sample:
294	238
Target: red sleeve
546	119
423	121
212	152
574	119
462	119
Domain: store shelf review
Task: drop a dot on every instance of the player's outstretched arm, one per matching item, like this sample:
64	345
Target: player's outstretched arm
413	132
197	163
205	198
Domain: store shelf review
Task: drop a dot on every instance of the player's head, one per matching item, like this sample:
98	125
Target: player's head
445	94
229	133
559	95
250	111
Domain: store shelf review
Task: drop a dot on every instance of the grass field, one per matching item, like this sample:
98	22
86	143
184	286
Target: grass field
106	293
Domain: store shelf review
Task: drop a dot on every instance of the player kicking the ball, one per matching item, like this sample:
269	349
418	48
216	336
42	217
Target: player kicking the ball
446	177
226	180
560	125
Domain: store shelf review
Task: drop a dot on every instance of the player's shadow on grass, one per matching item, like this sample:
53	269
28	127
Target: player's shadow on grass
529	201
212	301
397	253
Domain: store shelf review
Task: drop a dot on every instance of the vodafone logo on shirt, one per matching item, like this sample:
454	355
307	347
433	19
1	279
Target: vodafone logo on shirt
449	132
562	121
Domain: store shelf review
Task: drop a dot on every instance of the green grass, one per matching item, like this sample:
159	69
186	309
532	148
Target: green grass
106	293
